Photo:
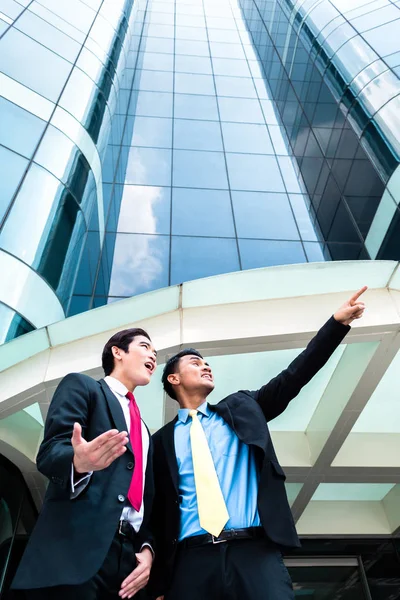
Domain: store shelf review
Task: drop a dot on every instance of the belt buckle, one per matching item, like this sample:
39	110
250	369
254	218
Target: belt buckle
215	540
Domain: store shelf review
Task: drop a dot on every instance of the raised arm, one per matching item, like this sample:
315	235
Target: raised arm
276	395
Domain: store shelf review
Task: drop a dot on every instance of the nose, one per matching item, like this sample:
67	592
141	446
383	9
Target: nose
207	369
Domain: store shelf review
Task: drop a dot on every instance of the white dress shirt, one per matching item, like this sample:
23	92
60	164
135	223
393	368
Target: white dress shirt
128	513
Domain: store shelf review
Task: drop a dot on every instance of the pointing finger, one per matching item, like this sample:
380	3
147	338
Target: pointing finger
355	296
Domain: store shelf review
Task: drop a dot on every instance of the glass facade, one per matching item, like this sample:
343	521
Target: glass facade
144	144
209	184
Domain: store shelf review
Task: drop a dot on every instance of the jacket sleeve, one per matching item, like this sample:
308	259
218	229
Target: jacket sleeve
70	404
157	583
274	397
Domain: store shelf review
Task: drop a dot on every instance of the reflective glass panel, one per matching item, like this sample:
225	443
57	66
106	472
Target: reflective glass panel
263	215
191	33
224	35
153	81
12	325
194	257
270	113
314	251
145	209
155	61
189	83
238	87
279	140
19	130
223	50
153	44
191	48
229	66
148	131
202	212
140	263
254	172
384	39
49	36
149	166
151	104
303	218
240	110
30	63
196	107
265	253
12	167
199	169
197	135
193	64
245	137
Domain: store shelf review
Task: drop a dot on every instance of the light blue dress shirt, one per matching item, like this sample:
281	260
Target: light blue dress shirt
236	469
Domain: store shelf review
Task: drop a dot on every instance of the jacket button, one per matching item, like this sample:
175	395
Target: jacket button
121	498
129	466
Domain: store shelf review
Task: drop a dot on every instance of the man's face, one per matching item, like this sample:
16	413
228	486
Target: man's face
194	374
139	363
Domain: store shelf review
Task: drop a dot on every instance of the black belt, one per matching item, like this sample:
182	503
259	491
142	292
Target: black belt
227	535
126	530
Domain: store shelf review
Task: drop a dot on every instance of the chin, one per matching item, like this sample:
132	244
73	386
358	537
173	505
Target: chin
144	380
209	387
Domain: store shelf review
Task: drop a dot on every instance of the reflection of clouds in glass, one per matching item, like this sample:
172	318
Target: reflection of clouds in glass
140	264
144	209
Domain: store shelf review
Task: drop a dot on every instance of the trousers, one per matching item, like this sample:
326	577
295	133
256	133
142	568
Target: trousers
233	570
105	585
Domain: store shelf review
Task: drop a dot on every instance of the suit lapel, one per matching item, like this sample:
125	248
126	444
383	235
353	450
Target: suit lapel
239	419
168	440
116	410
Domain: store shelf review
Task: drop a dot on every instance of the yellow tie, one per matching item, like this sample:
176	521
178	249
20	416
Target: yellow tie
213	513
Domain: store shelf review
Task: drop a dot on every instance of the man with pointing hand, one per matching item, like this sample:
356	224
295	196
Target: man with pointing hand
220	515
91	541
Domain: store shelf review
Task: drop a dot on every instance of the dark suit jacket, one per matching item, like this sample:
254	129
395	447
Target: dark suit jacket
72	537
247	413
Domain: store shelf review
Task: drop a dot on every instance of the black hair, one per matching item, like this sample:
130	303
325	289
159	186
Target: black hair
171	366
122	339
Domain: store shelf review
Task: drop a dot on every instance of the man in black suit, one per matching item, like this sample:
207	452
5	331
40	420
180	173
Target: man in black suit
92	540
220	514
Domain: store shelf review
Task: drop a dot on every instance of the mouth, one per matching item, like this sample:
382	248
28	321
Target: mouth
150	366
207	376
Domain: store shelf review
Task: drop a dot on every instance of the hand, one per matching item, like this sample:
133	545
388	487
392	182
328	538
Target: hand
352	309
139	576
100	452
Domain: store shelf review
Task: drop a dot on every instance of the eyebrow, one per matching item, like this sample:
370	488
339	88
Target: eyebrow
198	358
148	344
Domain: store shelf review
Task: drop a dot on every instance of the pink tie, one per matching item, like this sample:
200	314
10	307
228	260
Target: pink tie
135	493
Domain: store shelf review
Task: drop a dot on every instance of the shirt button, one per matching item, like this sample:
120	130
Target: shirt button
129	466
121	498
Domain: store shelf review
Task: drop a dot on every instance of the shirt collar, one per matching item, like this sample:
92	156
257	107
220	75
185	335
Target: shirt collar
116	386
183	413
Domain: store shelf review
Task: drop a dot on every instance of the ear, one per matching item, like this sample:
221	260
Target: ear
116	352
174	379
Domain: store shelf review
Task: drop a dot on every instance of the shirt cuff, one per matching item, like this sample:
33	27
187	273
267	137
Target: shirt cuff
79	486
147	545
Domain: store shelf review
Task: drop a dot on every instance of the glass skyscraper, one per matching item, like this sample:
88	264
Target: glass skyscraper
147	143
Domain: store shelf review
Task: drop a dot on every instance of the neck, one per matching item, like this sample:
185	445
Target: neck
124	379
191	401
